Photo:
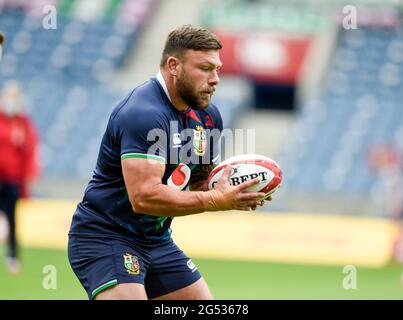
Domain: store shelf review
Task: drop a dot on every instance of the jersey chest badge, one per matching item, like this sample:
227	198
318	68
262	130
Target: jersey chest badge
132	264
199	141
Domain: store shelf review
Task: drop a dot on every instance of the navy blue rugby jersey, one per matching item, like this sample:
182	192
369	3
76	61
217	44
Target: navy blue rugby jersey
144	125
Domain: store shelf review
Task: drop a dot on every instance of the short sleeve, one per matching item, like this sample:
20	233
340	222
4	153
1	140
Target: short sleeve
142	135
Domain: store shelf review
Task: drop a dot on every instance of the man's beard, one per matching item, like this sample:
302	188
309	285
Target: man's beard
188	93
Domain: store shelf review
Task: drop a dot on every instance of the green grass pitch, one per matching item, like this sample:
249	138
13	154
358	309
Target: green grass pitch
227	280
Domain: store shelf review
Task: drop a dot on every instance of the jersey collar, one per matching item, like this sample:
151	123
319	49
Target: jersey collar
161	80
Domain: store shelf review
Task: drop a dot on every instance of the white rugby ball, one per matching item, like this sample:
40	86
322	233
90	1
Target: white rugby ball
249	166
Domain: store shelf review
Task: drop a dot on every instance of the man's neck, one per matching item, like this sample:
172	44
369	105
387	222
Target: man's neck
171	91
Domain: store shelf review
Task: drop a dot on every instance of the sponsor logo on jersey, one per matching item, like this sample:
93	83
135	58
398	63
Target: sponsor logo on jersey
179	177
131	264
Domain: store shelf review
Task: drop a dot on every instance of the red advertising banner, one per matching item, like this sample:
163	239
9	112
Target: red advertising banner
266	57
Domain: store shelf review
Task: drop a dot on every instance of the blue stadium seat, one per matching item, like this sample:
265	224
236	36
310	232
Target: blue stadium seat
63	74
359	106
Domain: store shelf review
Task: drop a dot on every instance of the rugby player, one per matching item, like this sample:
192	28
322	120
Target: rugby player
120	244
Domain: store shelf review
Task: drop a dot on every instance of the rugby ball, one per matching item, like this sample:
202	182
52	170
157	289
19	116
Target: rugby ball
247	167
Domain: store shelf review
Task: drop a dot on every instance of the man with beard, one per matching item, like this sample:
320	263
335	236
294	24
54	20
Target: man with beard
161	139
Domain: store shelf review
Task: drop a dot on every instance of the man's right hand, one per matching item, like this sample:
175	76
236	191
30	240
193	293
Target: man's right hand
227	197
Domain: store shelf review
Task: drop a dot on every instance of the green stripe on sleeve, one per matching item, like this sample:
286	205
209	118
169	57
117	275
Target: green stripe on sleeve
142	156
103	287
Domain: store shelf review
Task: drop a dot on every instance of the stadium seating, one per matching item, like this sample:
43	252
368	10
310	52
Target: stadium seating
65	73
359	106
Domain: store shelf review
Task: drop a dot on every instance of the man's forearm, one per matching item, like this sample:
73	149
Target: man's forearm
162	200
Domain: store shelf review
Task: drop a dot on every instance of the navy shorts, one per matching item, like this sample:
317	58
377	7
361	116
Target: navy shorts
100	263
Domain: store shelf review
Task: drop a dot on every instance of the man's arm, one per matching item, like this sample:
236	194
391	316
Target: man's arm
147	193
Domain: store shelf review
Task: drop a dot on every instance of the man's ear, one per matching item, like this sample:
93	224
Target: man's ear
173	65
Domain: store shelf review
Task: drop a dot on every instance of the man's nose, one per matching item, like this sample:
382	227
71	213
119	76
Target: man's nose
214	78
